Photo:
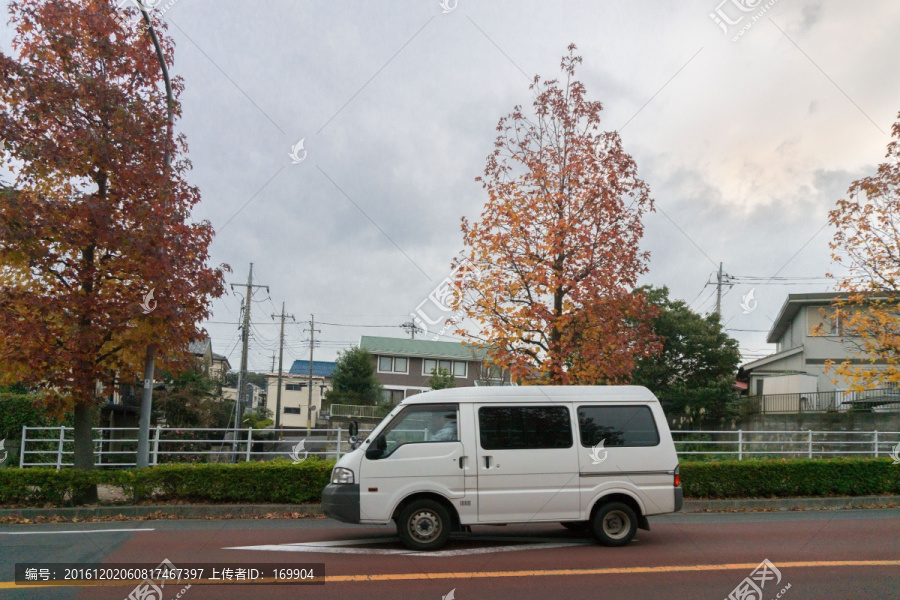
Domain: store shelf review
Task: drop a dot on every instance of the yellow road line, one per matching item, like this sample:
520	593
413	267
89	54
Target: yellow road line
493	574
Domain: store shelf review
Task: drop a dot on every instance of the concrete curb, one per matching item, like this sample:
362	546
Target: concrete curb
202	511
788	503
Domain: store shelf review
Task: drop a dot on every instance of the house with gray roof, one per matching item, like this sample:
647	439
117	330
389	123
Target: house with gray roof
404	366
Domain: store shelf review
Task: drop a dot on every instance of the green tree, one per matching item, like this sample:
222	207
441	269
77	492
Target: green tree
259	418
441	379
354	380
693	375
190	399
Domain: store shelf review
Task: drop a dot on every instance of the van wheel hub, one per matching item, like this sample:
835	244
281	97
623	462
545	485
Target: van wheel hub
425	525
616	524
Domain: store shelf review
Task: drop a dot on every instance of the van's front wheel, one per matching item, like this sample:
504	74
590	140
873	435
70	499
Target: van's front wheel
424	525
614	524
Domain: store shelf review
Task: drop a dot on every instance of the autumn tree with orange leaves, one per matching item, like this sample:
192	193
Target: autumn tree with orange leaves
867	243
98	213
556	251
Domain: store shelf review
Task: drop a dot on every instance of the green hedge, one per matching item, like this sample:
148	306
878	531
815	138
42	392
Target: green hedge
790	478
254	482
283	482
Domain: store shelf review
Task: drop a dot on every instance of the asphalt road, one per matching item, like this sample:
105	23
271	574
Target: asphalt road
818	555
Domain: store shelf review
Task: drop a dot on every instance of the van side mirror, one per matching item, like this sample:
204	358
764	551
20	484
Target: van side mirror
377	449
354	429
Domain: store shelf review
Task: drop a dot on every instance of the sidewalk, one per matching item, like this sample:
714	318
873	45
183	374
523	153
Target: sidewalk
226	511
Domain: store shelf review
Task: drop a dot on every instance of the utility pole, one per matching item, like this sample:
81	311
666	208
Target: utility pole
411	328
272	370
280	362
312	344
719	291
245	338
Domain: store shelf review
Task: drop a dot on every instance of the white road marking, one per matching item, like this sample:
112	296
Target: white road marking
345	546
72	531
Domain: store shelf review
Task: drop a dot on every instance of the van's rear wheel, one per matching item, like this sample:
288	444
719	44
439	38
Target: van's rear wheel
424	525
614	524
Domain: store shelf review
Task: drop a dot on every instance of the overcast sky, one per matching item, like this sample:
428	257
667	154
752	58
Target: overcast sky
745	144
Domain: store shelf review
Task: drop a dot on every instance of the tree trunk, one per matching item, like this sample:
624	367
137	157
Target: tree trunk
84	452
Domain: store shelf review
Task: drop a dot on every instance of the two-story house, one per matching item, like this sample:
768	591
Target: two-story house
295	397
806	335
404	366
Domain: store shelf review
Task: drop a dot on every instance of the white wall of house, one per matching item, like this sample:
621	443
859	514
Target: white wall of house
295	398
821	341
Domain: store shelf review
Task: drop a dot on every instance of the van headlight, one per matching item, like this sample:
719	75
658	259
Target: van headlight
341	475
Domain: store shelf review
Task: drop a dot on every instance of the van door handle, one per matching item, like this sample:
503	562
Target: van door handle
462	462
487	462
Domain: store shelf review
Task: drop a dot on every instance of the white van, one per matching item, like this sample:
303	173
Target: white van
588	457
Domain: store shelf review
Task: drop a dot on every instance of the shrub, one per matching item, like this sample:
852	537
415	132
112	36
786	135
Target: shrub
277	481
280	481
790	478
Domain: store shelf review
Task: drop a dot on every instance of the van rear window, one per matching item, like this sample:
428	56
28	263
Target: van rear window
617	426
524	427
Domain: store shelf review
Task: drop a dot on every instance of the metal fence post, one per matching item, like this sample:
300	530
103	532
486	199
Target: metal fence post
22	447
155	455
59	450
810	443
875	441
338	457
249	439
740	444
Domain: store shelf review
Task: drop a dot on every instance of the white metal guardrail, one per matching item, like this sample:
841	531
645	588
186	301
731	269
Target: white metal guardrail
116	447
742	444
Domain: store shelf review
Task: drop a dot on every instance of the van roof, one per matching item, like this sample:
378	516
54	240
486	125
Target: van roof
536	394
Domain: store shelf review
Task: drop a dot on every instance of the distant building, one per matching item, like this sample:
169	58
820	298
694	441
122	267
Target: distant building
807	334
295	401
202	351
219	367
404	366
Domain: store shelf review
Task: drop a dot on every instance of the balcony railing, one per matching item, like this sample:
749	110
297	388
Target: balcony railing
877	400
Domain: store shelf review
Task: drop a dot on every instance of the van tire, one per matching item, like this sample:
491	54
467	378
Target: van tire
576	526
424	525
614	524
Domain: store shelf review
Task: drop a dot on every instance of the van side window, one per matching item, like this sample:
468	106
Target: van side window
524	427
422	423
617	426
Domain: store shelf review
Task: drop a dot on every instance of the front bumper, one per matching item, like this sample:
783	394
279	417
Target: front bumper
341	502
679	499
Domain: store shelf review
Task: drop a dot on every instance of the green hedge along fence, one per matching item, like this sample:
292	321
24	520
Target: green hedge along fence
242	483
284	482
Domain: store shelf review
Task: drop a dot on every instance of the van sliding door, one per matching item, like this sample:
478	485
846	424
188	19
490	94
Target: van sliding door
527	463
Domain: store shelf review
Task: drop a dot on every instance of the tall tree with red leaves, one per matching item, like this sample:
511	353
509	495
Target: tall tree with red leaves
95	219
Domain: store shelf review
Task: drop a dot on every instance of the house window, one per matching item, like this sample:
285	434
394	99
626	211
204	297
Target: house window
294	387
457	368
292	410
393	364
492	372
393	397
759	387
